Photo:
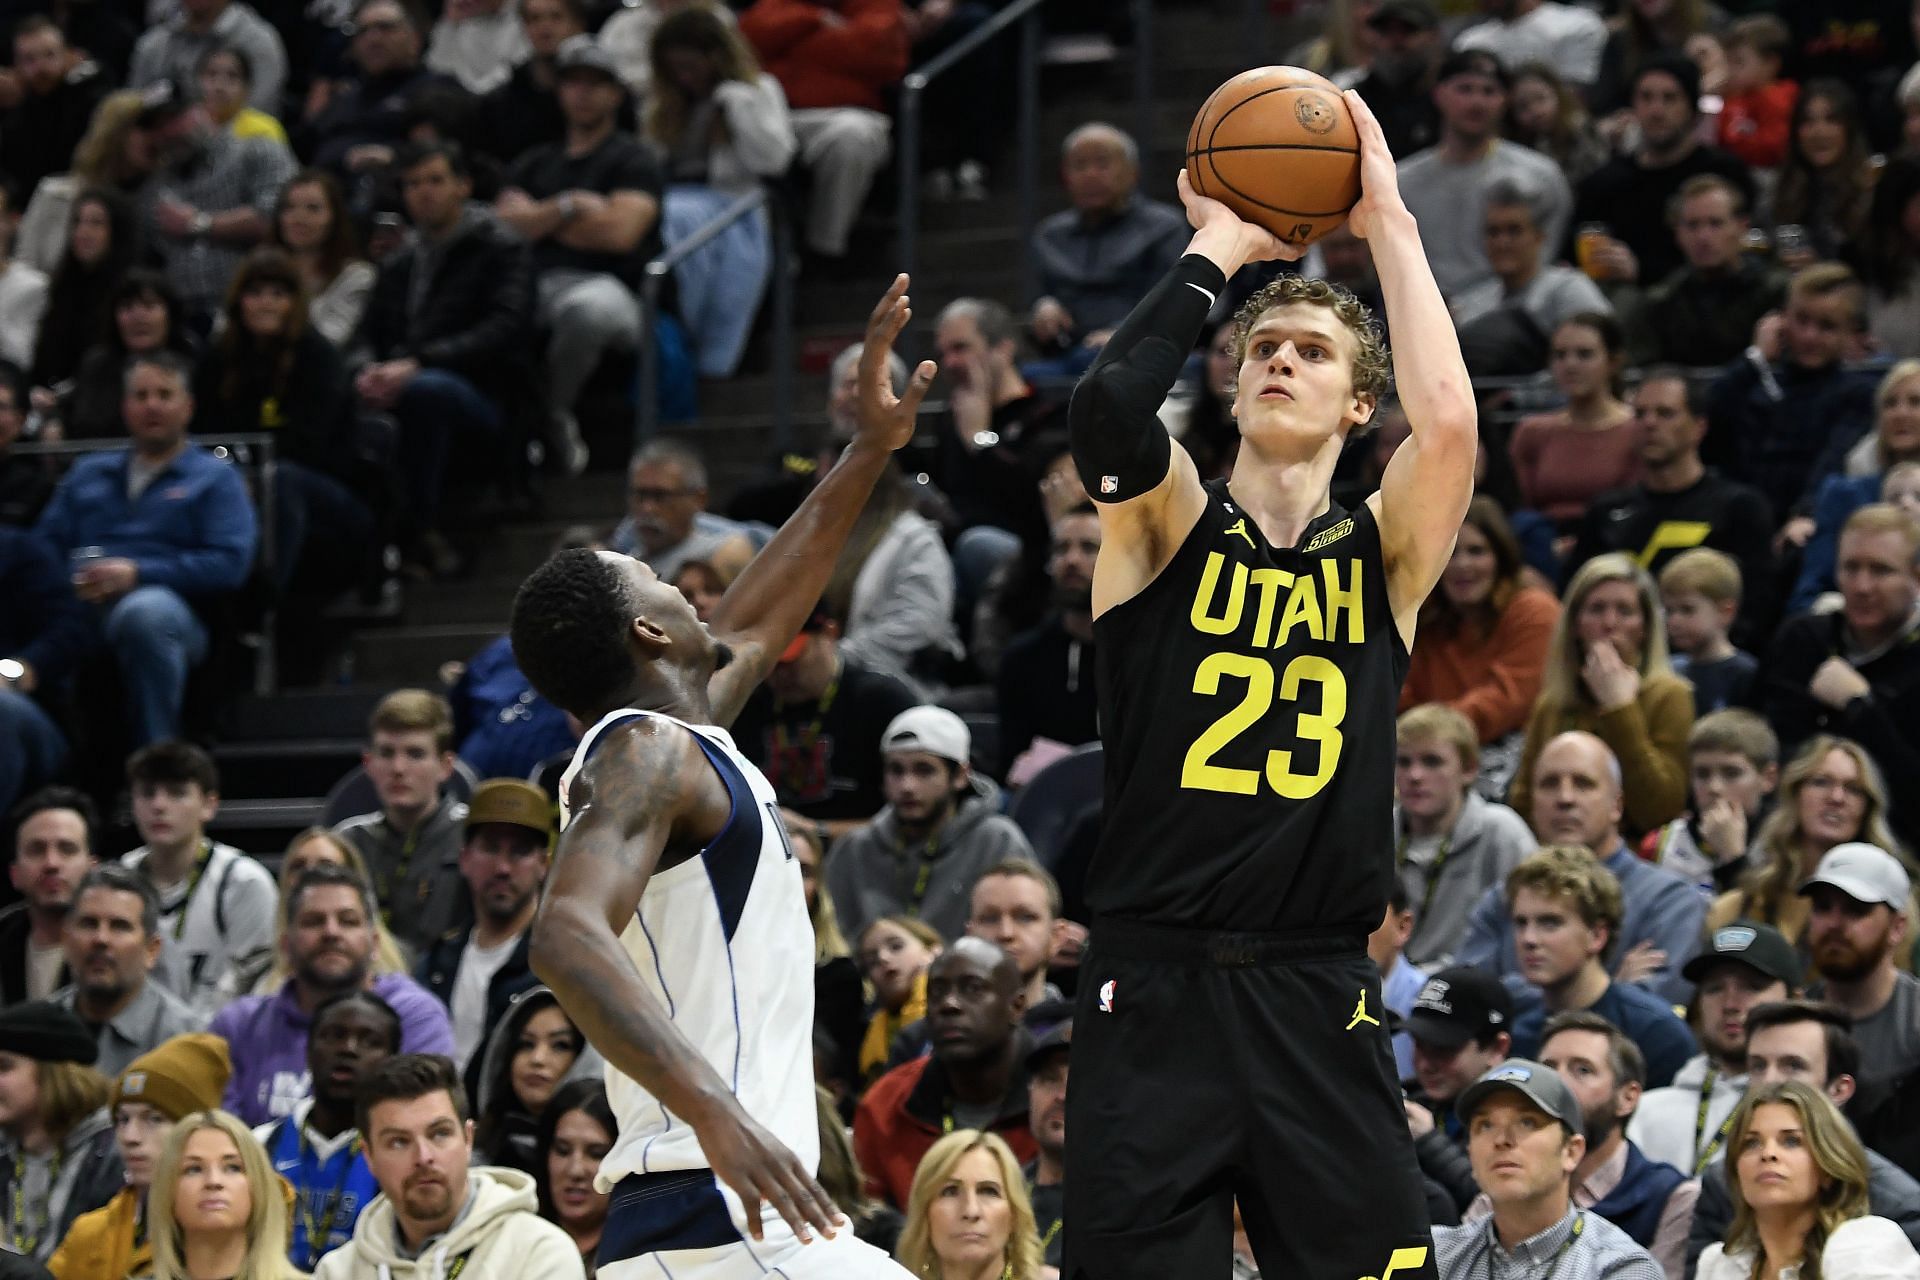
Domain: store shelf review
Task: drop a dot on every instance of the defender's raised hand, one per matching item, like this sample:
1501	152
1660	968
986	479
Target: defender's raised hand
887	419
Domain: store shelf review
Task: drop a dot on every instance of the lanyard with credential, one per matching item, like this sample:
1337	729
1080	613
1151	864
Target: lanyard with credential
193	882
320	1230
1432	872
24	1243
811	733
1559	1255
1706	1154
925	876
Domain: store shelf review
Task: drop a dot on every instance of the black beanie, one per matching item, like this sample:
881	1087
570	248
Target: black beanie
46	1032
1680	67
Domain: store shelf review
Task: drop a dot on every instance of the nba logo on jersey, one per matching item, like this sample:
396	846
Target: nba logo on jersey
1106	996
1109	484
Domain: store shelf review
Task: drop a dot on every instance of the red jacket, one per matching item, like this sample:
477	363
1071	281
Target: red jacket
848	63
907	1111
1754	125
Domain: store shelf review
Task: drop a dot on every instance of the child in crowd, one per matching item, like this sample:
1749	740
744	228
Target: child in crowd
1758	104
893	953
1733	767
1700	591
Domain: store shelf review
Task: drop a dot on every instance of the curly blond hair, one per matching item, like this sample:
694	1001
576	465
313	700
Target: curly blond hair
1372	369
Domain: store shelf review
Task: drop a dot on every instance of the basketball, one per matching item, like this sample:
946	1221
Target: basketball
1277	146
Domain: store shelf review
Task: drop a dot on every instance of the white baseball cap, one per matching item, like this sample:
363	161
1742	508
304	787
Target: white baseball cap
934	730
1865	873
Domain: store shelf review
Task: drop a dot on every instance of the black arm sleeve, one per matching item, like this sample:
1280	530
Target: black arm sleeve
1119	445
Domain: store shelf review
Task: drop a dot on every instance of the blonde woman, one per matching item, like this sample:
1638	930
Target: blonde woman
1607	673
217	1210
309	849
114	154
1798	1179
968	1216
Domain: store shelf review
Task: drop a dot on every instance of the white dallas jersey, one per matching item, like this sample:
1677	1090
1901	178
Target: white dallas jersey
724	944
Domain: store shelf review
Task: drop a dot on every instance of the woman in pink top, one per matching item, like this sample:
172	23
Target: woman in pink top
1565	458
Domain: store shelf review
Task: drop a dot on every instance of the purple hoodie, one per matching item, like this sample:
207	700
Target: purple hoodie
267	1036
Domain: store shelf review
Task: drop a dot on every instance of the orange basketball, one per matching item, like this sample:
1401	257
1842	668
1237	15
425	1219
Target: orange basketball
1277	146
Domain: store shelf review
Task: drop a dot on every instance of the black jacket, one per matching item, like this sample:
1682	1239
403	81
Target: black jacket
42	622
311	414
1890	1194
440	965
38	136
16	931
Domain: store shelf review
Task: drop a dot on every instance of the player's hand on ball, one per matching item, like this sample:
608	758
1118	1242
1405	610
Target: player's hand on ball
1379	177
763	1172
885	418
1259	244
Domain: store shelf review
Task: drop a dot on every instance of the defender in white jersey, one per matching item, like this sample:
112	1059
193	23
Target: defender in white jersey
674	928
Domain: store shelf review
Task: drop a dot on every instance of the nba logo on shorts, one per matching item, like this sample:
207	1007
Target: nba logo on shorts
1109	484
1106	996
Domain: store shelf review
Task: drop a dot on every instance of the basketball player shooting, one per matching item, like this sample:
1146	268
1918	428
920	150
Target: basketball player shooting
1252	640
674	928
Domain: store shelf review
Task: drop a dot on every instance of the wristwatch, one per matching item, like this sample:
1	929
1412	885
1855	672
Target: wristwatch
564	202
202	224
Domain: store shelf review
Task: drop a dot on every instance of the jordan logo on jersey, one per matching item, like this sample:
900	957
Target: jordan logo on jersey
1106	996
1238	529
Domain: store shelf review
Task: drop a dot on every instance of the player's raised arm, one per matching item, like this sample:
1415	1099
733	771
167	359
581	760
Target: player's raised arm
1424	493
627	802
763	610
1147	490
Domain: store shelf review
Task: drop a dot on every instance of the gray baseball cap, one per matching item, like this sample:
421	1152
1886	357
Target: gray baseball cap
1542	1086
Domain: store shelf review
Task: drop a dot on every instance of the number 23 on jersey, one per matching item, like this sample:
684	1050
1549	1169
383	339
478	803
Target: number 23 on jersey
1321	727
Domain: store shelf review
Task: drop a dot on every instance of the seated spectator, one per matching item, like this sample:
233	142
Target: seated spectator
477	44
1548	115
1857	934
147	318
1445	186
113	942
412	1117
270	372
1826	183
1567	37
1686	1124
312	847
628	36
446	347
1565	458
1576	790
99	240
361	122
974	1078
1453	845
505	729
1680	502
1799	1190
316	1148
177	530
1460	1028
1607	673
314	226
115	156
215	902
1704	311
968	1212
590	208
1481	645
224	79
172	50
58	90
1546	293
1638	32
894	953
523	111
1895	439
1210	435
209	200
837	60
530	1051
411	844
1527	1141
1044	688
940	813
1047	1071
23	289
156	1091
1756	109
1566	911
667	521
1016	906
1890	252
1094	261
329	948
216	1201
45	631
1733	766
478	969
704	71
1631	194
57	1155
576	1131
25	482
1700	594
53	832
1407	45
1401	981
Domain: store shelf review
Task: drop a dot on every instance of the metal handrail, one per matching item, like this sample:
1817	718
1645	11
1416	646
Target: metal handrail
654	278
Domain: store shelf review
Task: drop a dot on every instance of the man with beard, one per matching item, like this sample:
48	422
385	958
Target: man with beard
975	1077
1745	964
113	943
479	968
1399	82
436	1215
1045	684
1047	1119
329	950
1857	933
52	853
317	1149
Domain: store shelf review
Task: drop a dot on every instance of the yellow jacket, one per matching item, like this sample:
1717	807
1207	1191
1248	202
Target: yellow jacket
99	1245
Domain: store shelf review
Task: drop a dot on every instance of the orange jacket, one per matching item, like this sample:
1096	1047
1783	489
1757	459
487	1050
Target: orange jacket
907	1111
824	62
99	1245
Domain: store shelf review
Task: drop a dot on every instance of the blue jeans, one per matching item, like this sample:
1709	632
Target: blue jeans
32	751
435	406
312	506
156	639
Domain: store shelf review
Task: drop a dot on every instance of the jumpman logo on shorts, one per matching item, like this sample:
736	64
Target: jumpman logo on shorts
1239	527
1360	1013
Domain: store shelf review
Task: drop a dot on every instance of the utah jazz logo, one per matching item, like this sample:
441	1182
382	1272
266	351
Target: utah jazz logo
1360	1013
1238	529
1402	1260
